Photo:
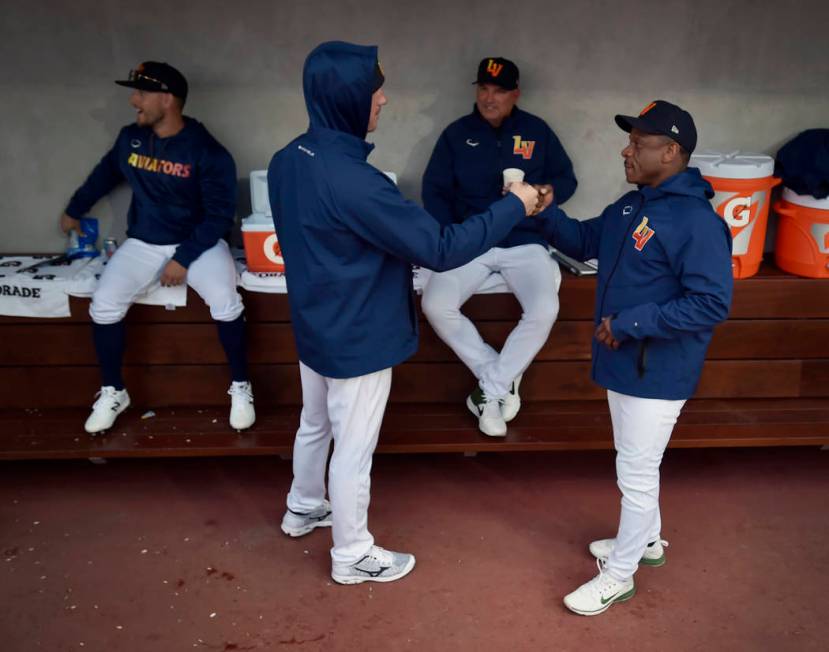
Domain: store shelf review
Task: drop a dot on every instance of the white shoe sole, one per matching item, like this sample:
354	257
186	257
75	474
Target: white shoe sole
240	428
474	411
123	407
622	598
302	531
350	579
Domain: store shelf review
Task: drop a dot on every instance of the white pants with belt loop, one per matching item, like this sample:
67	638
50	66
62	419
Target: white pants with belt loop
349	411
532	276
641	430
137	265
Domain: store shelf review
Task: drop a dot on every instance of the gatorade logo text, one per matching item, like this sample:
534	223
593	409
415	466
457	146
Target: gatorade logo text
493	68
737	211
151	164
523	148
642	234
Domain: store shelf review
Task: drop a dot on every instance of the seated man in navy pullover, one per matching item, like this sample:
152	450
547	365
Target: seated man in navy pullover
348	239
664	282
465	175
183	203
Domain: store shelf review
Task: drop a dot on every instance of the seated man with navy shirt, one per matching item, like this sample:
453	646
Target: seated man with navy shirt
463	178
183	185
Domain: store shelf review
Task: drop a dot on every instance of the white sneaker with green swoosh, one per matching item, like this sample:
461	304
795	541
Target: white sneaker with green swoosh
598	594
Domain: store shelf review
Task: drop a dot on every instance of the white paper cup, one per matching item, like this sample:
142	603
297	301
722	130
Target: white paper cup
513	175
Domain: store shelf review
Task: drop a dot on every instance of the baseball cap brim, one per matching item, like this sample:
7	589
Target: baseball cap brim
628	123
142	85
506	87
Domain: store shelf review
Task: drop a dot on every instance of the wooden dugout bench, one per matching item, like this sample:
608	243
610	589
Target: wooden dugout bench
765	382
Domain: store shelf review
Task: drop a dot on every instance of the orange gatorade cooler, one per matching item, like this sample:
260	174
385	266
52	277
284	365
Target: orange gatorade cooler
802	245
261	247
742	184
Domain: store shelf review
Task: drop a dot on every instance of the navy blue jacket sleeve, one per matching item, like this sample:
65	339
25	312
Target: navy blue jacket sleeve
558	169
577	239
439	182
100	182
382	216
702	262
217	186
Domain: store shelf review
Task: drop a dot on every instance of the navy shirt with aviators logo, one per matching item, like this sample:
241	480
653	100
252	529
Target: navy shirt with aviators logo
465	173
183	187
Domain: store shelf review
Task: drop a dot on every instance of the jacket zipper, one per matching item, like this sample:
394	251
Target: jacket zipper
618	258
643	354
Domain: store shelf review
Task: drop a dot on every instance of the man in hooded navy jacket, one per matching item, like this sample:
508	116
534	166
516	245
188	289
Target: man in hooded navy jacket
664	282
348	238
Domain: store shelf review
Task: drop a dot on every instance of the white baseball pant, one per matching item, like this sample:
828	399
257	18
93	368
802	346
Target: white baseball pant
137	265
349	411
532	276
641	430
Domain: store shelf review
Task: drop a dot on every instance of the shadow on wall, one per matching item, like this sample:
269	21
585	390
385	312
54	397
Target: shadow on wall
421	152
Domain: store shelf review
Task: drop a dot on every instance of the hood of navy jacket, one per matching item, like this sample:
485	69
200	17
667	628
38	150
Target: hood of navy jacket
689	183
347	235
338	80
664	279
183	187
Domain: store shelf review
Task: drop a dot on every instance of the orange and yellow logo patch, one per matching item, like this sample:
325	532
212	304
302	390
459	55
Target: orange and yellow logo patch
493	68
642	233
523	148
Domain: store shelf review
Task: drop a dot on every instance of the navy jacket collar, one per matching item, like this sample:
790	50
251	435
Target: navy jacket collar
351	144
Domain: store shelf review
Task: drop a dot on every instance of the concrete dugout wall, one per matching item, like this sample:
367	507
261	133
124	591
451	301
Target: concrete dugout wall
753	75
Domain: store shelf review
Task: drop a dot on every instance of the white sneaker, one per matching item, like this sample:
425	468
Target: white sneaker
379	565
596	596
488	411
654	554
111	402
242	414
511	403
297	524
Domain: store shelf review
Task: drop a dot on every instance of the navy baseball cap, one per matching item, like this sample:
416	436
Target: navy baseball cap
661	117
156	77
499	71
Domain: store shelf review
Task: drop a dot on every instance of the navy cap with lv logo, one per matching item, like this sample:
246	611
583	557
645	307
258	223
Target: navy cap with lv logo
499	71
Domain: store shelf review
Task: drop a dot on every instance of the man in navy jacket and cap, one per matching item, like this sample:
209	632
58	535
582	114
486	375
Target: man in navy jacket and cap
464	175
348	239
664	282
183	184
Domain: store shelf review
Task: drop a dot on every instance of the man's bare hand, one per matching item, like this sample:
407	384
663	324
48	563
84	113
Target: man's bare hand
68	224
604	334
527	194
545	197
173	274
